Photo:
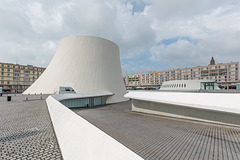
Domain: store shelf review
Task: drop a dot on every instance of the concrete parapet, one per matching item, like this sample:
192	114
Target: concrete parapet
185	112
78	139
211	107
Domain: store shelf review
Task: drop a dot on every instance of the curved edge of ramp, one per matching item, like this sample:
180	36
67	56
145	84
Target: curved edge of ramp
79	139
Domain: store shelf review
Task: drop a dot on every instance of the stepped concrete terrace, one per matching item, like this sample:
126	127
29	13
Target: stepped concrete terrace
26	130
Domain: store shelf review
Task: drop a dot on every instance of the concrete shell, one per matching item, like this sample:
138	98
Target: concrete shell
86	63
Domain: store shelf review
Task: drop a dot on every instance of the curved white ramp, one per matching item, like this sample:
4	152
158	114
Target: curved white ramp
78	139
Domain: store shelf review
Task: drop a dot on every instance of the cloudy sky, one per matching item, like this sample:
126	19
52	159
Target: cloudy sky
152	35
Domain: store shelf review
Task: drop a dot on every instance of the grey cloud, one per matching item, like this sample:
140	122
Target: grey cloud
30	30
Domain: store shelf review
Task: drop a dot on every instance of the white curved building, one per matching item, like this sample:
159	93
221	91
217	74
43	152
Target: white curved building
189	85
86	63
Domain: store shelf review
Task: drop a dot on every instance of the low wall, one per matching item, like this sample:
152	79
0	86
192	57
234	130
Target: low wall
211	107
185	112
78	139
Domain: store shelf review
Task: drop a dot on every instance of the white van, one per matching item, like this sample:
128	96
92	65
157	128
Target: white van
64	90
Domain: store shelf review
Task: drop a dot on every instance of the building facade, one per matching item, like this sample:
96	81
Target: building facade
225	74
17	78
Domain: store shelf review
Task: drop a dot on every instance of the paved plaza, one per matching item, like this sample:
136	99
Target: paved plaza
156	137
26	130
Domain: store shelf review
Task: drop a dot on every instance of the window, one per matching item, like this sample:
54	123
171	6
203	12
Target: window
2	82
16	70
16	78
26	79
26	71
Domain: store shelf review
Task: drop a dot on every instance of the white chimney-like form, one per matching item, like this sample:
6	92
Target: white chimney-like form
88	64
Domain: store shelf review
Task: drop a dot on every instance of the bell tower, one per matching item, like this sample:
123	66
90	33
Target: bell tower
212	62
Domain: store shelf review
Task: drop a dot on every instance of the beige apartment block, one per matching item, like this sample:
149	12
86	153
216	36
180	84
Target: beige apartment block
17	78
225	74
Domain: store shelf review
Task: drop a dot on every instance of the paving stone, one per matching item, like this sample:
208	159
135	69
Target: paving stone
156	137
26	129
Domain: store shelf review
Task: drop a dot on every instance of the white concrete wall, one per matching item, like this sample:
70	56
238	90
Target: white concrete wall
224	102
221	108
78	139
184	112
86	63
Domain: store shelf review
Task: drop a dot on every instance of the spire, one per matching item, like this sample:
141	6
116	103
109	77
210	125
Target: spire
212	62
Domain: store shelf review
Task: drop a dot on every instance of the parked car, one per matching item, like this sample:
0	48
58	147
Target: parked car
64	90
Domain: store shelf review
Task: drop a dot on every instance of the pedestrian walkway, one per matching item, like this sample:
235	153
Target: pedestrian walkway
156	137
26	130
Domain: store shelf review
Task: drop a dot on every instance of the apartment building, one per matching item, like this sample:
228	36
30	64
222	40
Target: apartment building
17	78
225	74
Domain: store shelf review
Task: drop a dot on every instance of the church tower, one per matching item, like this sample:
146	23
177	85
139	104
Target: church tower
212	62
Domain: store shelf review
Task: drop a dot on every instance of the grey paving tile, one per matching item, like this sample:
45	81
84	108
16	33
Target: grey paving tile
26	129
156	137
